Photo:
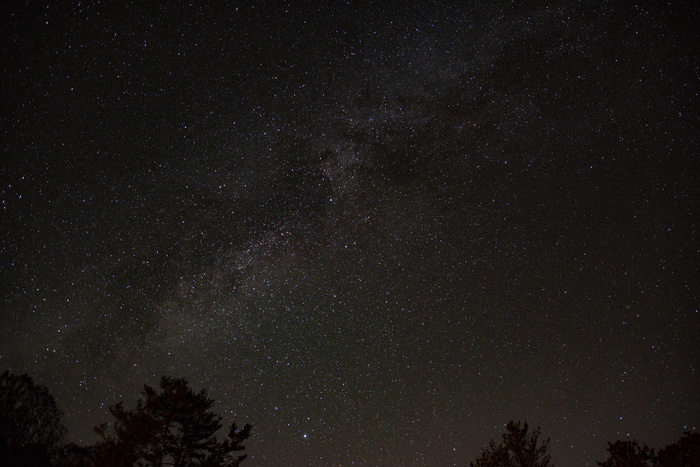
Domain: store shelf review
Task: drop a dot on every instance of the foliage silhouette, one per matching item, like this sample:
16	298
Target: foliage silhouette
630	453
174	426
683	453
74	455
30	423
518	448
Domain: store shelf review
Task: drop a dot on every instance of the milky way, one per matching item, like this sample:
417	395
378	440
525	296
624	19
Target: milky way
376	233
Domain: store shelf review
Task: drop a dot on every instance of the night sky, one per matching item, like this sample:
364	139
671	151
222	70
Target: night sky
376	231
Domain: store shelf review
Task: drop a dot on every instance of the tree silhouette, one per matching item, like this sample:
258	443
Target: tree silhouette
172	427
518	448
30	423
73	455
683	453
629	454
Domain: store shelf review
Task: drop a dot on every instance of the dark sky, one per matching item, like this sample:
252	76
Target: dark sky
376	231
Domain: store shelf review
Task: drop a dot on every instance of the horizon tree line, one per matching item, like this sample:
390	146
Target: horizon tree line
174	425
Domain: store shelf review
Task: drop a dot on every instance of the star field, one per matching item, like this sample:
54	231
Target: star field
376	231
